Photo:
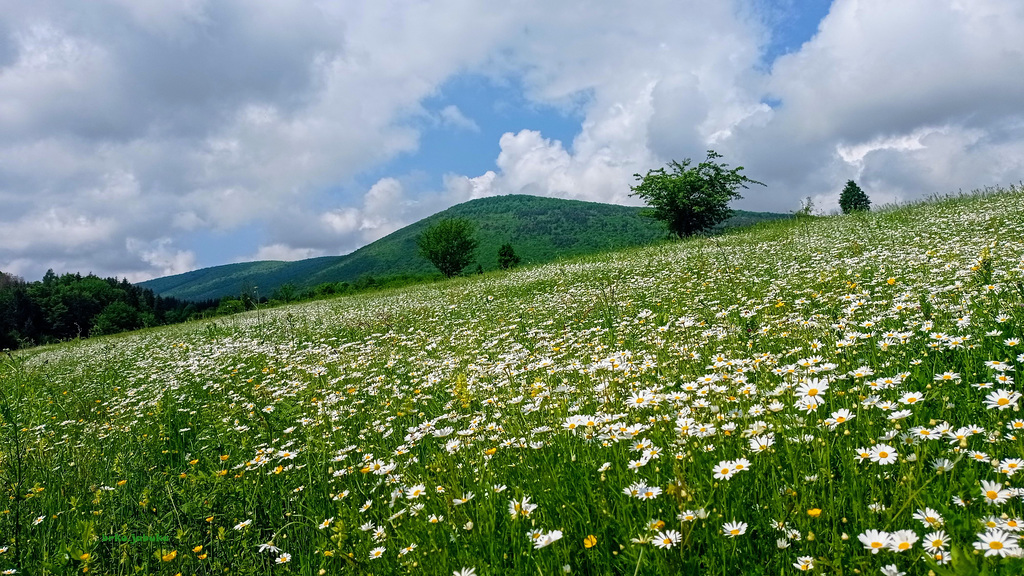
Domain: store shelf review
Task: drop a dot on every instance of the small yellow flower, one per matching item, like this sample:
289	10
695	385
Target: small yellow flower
890	281
223	457
490	451
169	556
194	462
122	482
590	541
209	518
198	549
84	557
814	512
202	556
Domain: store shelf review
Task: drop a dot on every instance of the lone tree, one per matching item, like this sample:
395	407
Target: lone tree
507	257
688	199
449	245
853	199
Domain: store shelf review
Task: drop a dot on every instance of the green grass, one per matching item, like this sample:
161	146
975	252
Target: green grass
552	382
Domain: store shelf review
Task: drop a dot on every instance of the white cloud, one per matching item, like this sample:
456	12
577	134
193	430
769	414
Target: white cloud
453	117
161	255
282	252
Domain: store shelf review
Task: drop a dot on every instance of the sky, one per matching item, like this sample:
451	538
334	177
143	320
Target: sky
143	138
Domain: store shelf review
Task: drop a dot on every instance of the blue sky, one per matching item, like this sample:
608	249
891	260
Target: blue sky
147	139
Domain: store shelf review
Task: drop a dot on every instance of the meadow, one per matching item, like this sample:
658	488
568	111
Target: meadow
830	395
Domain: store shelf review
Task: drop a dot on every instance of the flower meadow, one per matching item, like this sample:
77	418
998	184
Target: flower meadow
833	395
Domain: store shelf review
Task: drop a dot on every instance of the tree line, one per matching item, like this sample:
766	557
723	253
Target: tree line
72	306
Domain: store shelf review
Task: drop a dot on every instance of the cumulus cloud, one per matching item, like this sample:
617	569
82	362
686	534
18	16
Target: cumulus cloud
127	126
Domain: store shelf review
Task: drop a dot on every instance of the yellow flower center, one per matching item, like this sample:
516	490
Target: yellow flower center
992	494
995	545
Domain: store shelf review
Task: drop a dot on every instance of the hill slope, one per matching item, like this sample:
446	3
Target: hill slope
540	229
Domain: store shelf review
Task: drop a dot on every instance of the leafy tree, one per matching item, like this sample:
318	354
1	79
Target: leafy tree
116	317
507	257
688	199
853	199
449	245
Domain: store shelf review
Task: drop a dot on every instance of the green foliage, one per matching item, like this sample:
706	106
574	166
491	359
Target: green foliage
806	209
117	317
449	245
507	257
691	200
853	199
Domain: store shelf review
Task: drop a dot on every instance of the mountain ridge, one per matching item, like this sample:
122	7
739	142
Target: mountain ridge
539	228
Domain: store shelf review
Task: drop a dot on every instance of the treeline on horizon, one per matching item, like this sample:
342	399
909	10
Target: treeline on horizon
71	306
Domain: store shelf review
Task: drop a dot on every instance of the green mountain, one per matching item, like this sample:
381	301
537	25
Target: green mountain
540	229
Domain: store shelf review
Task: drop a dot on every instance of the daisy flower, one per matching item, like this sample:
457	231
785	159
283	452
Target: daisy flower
734	529
995	542
883	454
994	493
667	539
875	540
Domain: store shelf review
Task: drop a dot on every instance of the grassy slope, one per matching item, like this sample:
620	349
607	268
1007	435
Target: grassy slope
540	229
505	361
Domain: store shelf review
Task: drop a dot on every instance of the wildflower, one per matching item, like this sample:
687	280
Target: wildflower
929	518
269	546
994	492
169	556
465	572
590	541
415	492
242	524
1001	400
733	529
326	522
883	454
39	520
892	570
814	512
724	470
935	542
407	549
804	563
875	540
902	540
377	552
547	539
667	539
649	493
995	542
521	507
284	558
813	388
